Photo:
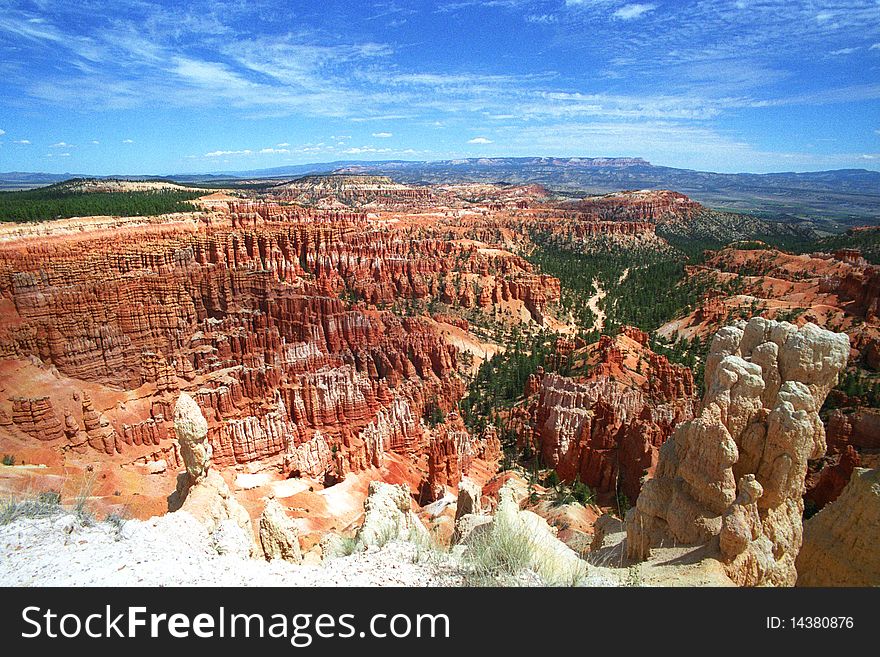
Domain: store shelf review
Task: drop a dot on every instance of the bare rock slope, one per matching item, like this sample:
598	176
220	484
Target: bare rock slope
840	542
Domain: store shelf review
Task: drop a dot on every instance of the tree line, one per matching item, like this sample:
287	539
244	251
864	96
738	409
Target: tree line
56	203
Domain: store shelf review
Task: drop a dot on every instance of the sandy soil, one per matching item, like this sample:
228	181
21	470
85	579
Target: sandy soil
175	550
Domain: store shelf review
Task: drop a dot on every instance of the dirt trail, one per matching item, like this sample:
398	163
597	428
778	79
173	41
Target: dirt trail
593	304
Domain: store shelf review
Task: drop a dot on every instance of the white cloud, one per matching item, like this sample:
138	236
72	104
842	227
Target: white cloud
2	132
222	153
95	142
479	140
874	46
63	154
23	142
843	51
283	144
128	141
382	135
357	150
273	151
630	12
61	144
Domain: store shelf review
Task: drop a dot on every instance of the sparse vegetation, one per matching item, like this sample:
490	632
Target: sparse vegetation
497	556
576	492
45	504
502	553
117	522
41	505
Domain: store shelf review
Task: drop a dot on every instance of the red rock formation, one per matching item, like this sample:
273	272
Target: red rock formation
605	430
848	434
863	287
825	484
101	434
649	206
250	321
35	417
450	453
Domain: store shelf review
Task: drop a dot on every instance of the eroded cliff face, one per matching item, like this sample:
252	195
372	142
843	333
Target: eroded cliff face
840	542
735	474
643	205
605	429
294	330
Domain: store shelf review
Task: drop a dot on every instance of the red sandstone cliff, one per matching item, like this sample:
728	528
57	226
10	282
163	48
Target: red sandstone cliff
605	429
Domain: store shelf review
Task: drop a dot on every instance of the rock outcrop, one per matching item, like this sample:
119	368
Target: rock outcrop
388	516
276	319
36	417
450	453
840	546
468	509
279	536
202	491
735	474
191	430
653	206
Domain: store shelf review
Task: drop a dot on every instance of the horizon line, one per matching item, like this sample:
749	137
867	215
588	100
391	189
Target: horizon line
241	172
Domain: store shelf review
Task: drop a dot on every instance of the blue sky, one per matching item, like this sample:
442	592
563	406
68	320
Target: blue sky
102	87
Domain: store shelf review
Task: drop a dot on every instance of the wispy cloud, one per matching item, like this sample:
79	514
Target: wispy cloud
656	69
542	19
633	11
61	144
360	150
228	153
23	142
128	141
